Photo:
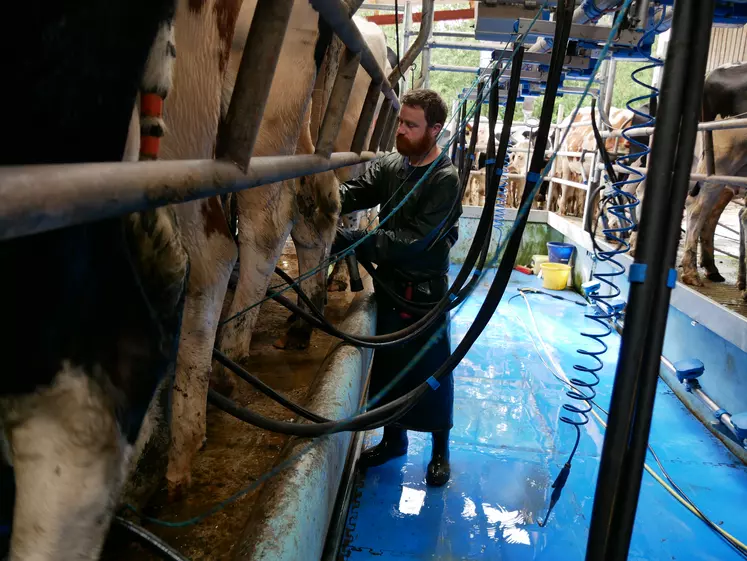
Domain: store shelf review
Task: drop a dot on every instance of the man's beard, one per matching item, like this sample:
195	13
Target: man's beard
415	149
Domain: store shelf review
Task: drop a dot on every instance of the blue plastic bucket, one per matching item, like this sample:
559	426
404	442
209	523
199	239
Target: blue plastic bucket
560	252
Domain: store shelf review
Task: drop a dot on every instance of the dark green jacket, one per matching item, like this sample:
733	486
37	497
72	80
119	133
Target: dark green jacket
402	241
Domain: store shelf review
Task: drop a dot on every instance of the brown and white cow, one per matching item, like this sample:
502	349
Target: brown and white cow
306	208
573	168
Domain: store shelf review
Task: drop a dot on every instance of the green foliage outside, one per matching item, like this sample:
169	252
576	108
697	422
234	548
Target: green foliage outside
450	84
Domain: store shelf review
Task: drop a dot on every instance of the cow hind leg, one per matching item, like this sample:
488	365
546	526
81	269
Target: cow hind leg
707	260
312	234
70	459
264	224
213	254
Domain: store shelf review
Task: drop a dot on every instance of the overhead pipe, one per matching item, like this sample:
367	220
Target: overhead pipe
417	45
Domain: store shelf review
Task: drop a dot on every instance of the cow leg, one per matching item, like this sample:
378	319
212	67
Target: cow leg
698	209
264	224
313	234
212	253
339	279
708	233
70	460
742	273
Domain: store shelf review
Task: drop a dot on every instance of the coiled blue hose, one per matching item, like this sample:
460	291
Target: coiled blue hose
617	203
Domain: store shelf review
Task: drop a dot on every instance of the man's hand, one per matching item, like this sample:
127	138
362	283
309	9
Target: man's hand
366	251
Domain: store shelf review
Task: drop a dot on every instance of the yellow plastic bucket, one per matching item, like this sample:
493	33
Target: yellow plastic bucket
555	275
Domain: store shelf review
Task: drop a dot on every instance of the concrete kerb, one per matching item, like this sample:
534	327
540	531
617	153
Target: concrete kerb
295	507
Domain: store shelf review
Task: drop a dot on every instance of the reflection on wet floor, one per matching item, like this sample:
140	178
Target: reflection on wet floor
508	445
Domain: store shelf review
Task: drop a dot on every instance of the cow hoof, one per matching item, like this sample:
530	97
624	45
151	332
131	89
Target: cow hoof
741	285
291	318
715	277
293	340
337	286
691	279
176	487
222	381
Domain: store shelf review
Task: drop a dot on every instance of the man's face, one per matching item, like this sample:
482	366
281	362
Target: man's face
414	136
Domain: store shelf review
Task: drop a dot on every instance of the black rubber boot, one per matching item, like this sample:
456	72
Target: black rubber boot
439	470
393	445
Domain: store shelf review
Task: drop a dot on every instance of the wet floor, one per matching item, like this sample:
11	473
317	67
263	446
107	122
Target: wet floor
508	445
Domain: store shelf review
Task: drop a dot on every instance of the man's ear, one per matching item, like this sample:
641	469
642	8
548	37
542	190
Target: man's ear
437	129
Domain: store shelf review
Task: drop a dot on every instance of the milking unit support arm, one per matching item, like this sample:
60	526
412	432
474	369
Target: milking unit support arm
652	278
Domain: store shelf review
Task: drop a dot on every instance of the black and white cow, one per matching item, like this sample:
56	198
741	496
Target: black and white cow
91	313
724	95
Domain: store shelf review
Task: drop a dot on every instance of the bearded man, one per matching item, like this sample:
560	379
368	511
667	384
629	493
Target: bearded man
411	251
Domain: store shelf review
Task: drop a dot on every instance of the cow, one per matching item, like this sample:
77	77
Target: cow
723	95
307	208
94	309
572	168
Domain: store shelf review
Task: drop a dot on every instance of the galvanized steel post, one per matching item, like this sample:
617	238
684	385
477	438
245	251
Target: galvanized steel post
238	133
338	102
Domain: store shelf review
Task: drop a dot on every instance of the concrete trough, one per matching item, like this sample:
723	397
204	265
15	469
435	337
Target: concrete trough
295	507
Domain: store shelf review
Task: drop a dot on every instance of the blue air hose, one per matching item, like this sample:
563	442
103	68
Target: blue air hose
617	203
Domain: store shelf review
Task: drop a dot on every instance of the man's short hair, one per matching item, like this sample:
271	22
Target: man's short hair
430	102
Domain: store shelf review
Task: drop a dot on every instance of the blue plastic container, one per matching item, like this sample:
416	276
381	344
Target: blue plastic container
560	252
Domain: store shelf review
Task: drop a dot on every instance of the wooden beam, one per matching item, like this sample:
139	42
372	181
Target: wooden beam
441	15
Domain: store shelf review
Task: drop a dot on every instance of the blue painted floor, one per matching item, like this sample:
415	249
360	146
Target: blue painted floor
508	445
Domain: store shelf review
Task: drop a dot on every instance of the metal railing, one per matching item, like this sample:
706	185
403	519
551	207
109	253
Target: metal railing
40	198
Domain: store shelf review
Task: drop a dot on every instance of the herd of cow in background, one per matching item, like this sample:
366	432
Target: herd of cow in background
725	96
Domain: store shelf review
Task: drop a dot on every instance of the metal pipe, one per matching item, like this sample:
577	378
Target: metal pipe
40	198
424	80
368	111
642	14
626	437
569	183
720	125
338	18
389	144
375	141
380	7
338	102
464	46
415	49
389	126
458	34
238	133
610	85
406	42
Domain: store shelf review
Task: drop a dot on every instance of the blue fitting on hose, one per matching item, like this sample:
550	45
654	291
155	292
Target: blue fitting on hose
592	11
672	278
433	383
533	177
637	272
720	412
489	161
